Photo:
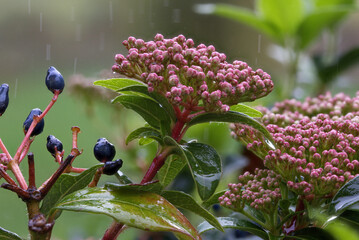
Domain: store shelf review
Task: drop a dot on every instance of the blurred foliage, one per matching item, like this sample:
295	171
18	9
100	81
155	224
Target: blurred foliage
295	26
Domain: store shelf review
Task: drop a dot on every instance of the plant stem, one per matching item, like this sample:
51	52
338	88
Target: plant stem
178	131
35	121
156	164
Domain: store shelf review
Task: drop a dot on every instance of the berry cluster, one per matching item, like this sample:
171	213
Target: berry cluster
317	143
260	191
194	77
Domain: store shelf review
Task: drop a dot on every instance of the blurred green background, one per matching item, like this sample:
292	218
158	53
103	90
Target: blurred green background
82	37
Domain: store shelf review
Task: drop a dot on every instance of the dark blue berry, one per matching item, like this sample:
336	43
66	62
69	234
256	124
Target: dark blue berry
4	98
39	127
54	80
104	151
110	168
52	143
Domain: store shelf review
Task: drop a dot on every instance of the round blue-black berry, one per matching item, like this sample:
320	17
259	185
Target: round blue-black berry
53	144
111	167
39	127
4	98
54	80
104	151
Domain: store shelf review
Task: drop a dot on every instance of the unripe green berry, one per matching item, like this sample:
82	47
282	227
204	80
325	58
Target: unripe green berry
39	127
104	151
53	144
4	98
111	167
54	80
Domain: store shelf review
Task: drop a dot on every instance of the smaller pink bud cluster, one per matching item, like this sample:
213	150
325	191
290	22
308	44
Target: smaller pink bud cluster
317	153
190	75
259	190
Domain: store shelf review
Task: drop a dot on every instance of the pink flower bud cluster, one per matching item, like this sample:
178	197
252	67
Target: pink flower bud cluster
317	143
190	75
260	191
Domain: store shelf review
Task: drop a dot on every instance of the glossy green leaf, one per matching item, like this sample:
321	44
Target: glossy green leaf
234	117
162	100
251	112
145	132
341	231
143	210
345	197
154	187
351	216
172	167
247	17
204	163
145	141
186	201
312	233
240	224
149	109
7	235
213	200
118	83
65	185
315	22
285	15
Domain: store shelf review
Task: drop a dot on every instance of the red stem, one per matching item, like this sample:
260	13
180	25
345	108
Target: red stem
177	133
35	121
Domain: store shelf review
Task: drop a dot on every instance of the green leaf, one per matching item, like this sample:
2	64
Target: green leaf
345	197
204	163
7	235
168	172
247	17
143	210
251	112
154	187
329	72
350	216
315	22
234	117
118	83
150	110
162	100
213	200
65	185
122	178
240	224
186	201
145	132
312	233
283	14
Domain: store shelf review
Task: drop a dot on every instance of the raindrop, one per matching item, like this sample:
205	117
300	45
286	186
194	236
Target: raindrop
72	16
41	22
259	43
15	88
150	14
207	8
176	15
269	143
130	16
111	12
29	7
102	41
75	64
48	51
78	32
